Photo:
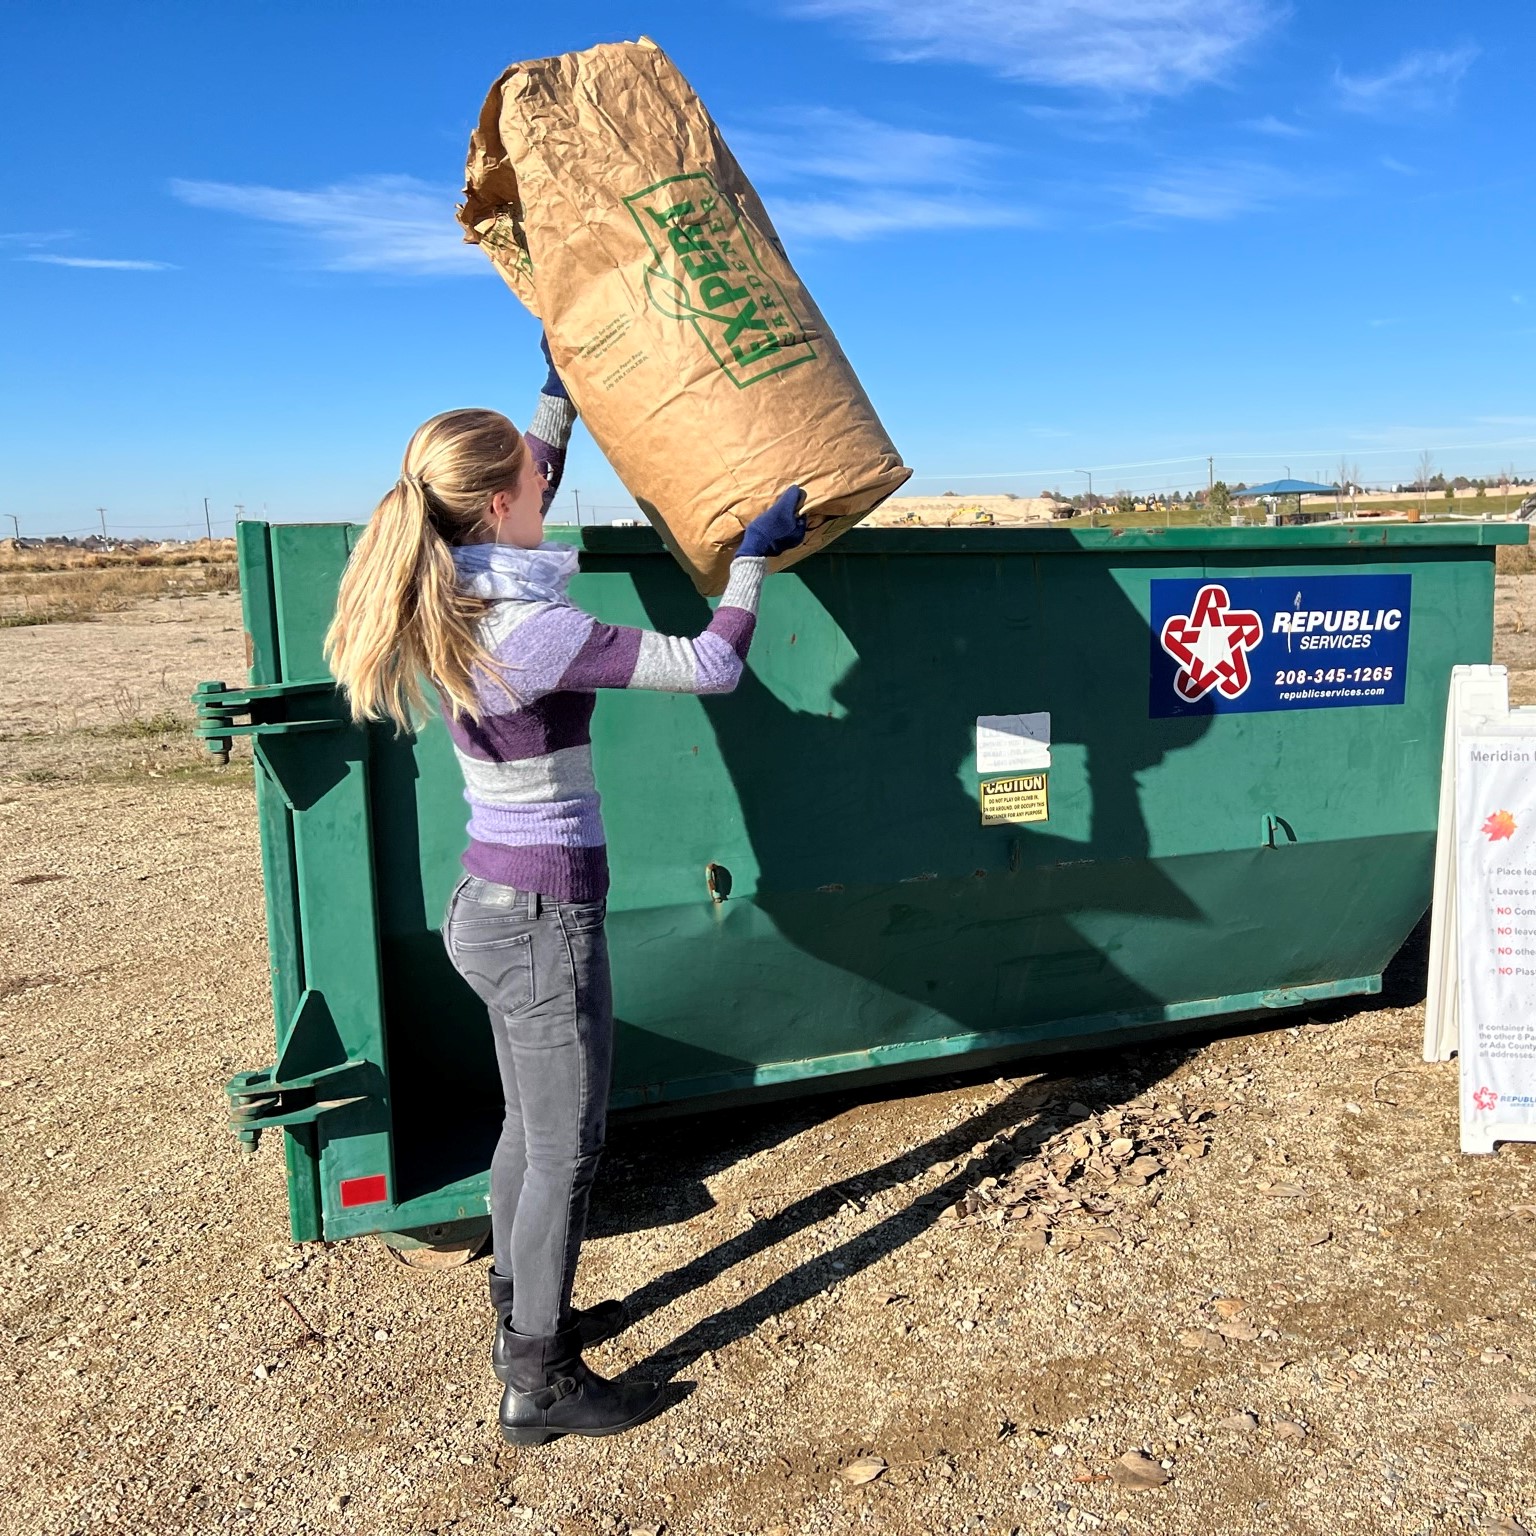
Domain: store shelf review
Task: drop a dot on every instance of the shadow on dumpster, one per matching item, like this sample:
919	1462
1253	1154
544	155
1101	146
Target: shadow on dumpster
871	856
870	849
831	798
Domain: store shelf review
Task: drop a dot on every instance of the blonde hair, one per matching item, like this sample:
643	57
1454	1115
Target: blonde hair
400	615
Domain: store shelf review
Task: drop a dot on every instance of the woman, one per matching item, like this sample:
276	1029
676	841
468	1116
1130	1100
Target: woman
452	583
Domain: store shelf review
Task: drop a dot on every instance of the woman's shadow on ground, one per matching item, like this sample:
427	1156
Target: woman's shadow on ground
643	1166
866	794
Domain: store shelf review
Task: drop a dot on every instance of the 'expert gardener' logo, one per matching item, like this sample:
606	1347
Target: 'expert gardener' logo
707	273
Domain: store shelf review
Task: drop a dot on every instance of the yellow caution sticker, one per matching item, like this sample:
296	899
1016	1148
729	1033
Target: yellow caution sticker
1006	802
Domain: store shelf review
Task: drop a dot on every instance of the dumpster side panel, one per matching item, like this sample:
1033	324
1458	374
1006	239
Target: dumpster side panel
802	884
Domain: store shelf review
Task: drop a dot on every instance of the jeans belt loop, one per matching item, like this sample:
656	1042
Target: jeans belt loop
535	903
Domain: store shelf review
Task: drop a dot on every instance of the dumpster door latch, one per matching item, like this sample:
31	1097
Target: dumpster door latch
1275	831
298	1090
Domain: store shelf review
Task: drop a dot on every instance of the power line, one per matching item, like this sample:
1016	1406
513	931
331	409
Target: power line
64	533
1280	456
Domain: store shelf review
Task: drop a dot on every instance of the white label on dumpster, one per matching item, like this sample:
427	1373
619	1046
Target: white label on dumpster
1496	913
1013	743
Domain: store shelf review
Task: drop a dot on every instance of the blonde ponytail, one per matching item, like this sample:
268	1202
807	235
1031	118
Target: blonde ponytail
400	616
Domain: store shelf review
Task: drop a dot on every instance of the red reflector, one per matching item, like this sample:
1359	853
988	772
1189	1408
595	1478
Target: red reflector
370	1190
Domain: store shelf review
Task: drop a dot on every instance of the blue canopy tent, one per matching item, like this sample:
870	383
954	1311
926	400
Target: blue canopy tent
1275	489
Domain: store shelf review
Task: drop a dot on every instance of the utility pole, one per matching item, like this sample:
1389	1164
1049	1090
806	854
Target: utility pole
239	511
102	512
1089	473
15	523
207	521
1210	473
577	495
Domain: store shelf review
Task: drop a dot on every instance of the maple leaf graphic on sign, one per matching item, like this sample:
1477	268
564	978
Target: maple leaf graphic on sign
1500	824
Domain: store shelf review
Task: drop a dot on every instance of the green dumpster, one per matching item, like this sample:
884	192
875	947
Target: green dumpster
812	881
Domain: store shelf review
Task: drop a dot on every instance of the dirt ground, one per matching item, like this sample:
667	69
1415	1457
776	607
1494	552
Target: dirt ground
1255	1258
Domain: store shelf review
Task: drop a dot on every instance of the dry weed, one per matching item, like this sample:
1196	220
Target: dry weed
65	558
59	592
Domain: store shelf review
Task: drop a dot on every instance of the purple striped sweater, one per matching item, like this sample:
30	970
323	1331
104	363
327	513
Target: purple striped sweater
534	818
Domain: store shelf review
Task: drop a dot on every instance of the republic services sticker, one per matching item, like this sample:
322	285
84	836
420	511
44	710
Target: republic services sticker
1009	802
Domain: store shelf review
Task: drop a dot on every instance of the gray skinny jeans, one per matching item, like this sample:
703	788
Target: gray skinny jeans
541	968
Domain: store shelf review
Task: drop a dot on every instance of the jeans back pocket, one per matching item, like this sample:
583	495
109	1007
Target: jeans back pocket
496	959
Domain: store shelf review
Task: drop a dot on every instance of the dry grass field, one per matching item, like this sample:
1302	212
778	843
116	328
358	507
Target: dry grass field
49	586
1287	1305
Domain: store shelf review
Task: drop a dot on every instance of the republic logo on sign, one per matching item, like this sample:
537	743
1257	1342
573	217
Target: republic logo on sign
1211	645
707	274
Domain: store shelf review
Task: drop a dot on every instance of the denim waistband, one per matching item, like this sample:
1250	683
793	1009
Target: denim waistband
487	893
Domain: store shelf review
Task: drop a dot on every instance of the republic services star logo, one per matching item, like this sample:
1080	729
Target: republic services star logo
1211	645
1485	1098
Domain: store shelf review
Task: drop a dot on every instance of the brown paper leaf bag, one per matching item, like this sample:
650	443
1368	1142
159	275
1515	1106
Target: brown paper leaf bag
603	192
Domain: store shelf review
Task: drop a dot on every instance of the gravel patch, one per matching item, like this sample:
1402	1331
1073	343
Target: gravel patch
1289	1305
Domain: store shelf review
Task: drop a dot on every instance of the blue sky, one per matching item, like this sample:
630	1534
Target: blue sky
1106	234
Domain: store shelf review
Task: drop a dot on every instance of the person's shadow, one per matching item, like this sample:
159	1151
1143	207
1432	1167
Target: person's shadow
992	1142
852	762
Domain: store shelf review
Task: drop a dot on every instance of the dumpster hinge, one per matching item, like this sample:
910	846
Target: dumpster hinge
269	709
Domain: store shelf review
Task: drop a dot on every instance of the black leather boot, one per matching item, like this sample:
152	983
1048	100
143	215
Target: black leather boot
551	1392
596	1325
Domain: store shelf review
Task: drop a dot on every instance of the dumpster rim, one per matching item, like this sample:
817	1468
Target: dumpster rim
605	539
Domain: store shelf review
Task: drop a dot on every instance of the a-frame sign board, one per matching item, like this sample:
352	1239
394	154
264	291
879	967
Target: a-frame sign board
1482	949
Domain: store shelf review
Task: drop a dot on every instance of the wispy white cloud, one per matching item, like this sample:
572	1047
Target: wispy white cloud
379	224
1213	190
1147	46
847	146
838	175
1275	127
1421	81
102	263
32	238
1096	119
1397	167
869	215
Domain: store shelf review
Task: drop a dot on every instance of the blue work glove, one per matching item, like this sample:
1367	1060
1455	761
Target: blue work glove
554	384
780	528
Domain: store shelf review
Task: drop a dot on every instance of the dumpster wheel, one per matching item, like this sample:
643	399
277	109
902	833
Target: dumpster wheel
445	1246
